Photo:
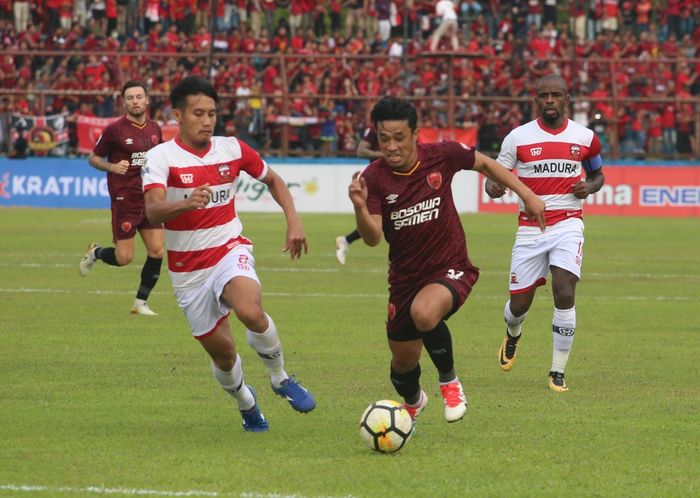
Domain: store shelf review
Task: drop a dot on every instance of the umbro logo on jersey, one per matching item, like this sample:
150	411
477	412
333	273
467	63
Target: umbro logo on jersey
536	151
187	178
129	141
391	198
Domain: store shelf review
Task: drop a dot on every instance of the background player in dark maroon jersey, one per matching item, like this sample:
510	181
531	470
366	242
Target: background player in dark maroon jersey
124	143
407	195
368	148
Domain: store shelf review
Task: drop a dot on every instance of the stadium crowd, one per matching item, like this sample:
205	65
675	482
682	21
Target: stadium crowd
336	53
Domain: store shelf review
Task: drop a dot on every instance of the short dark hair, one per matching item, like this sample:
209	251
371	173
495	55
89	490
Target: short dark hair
393	109
191	85
134	84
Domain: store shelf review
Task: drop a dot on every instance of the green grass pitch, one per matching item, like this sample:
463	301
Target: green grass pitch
94	401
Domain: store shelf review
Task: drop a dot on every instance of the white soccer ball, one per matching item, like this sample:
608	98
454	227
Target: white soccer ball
386	426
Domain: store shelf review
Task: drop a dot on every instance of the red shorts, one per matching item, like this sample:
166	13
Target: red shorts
129	216
399	324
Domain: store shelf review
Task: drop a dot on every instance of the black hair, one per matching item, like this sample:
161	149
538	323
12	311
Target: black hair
393	109
134	84
553	77
191	85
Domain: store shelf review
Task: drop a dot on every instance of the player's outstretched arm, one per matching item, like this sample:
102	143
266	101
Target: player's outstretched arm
296	239
369	225
534	206
158	209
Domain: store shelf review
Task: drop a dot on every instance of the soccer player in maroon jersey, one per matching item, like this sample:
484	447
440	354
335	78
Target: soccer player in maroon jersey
368	148
549	154
124	144
407	196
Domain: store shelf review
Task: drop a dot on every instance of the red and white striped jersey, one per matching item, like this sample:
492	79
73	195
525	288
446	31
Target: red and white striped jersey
197	240
550	163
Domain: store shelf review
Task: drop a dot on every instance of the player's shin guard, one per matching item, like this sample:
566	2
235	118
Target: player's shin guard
438	343
269	349
514	323
563	329
407	384
233	383
149	277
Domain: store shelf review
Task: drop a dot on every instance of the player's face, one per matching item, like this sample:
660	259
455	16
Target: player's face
197	121
135	101
552	100
397	144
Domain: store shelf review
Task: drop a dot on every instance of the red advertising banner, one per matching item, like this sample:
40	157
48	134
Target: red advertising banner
464	135
628	191
90	128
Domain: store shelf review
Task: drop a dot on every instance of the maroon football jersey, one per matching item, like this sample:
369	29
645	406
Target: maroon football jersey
124	139
419	218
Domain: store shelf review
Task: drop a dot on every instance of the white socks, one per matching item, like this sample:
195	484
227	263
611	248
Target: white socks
563	328
269	348
514	323
233	383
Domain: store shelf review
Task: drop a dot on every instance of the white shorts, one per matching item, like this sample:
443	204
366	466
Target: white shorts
202	305
560	245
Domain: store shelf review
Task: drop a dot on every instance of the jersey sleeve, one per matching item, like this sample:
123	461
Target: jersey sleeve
103	146
593	161
507	156
154	172
252	162
459	156
374	200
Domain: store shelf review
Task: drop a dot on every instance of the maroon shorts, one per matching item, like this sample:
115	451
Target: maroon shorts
129	216
399	324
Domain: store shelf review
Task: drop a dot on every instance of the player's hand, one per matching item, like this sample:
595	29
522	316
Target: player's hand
357	191
200	197
119	168
493	189
580	189
296	240
534	209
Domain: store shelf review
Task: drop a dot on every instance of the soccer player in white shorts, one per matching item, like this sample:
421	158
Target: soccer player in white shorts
549	154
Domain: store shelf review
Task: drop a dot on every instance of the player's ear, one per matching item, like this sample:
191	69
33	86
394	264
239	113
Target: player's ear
416	133
177	114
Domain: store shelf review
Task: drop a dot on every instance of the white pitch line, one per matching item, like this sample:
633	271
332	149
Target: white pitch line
100	490
29	290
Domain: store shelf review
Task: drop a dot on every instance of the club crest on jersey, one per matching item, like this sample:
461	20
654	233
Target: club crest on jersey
434	179
224	170
575	151
129	141
154	140
187	178
126	226
536	151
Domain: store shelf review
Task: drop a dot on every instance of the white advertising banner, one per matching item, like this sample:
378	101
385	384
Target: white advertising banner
323	188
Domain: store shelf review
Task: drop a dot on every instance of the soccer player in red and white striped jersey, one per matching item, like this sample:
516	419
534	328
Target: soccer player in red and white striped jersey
549	155
189	185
